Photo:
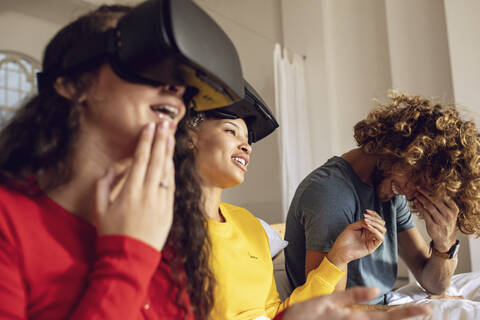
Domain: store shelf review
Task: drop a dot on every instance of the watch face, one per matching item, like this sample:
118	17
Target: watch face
454	250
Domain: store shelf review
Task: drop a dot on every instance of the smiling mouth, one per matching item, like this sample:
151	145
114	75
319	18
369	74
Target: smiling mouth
395	189
163	110
242	163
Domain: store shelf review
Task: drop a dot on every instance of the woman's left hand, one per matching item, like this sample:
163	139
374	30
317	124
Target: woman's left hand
142	206
358	239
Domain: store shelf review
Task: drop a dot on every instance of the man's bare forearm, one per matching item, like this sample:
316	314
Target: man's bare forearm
437	273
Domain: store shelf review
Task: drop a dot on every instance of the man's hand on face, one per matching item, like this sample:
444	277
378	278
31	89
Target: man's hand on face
440	217
335	307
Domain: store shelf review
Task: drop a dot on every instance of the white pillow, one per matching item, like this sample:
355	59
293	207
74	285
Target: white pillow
276	242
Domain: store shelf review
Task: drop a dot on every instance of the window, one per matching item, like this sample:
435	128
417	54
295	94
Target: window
17	81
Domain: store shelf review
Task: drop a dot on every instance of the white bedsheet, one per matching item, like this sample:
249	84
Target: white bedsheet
466	285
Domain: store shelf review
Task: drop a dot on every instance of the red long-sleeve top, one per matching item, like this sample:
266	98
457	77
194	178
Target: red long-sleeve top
54	266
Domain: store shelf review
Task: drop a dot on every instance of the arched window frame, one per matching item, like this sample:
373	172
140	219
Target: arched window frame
22	61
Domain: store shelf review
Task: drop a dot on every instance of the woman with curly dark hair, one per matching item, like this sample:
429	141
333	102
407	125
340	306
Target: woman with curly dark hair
409	149
69	248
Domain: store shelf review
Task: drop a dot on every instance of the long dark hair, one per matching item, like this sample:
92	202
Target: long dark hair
189	233
41	136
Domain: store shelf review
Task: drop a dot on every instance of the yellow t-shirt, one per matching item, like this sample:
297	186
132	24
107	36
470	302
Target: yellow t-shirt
243	270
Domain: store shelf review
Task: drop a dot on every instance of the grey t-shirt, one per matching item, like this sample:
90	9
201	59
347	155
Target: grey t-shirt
328	200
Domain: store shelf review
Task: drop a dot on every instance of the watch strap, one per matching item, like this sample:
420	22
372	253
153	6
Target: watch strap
450	254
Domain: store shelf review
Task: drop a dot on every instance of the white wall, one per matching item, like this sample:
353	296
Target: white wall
347	65
418	44
463	26
303	34
357	53
464	42
27	26
29	34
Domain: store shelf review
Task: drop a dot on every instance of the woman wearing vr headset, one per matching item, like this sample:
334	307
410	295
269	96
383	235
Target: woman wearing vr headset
245	285
67	248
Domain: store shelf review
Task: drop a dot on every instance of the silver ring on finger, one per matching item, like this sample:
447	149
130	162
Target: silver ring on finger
163	184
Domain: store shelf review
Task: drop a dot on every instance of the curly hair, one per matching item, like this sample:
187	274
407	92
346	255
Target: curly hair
41	137
432	142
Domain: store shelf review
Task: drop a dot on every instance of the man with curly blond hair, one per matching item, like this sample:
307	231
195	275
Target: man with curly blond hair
410	149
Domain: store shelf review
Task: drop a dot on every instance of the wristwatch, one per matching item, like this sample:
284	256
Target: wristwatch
450	254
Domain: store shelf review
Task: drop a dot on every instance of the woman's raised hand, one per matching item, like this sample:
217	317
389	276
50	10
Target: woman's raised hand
358	239
142	207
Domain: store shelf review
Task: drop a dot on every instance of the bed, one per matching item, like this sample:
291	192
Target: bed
466	285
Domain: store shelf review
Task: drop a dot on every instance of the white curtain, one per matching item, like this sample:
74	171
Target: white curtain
291	110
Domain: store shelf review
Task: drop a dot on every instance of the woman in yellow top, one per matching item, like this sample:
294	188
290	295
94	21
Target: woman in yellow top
245	285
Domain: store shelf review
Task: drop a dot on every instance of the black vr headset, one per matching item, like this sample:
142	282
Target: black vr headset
253	110
165	42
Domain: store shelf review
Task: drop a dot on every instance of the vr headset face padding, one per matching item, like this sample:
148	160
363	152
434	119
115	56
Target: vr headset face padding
166	42
254	111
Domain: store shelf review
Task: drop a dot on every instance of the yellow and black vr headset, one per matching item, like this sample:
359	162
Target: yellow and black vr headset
165	42
253	110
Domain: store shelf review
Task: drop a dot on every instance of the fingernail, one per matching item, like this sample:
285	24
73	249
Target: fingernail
165	124
110	172
170	141
150	127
